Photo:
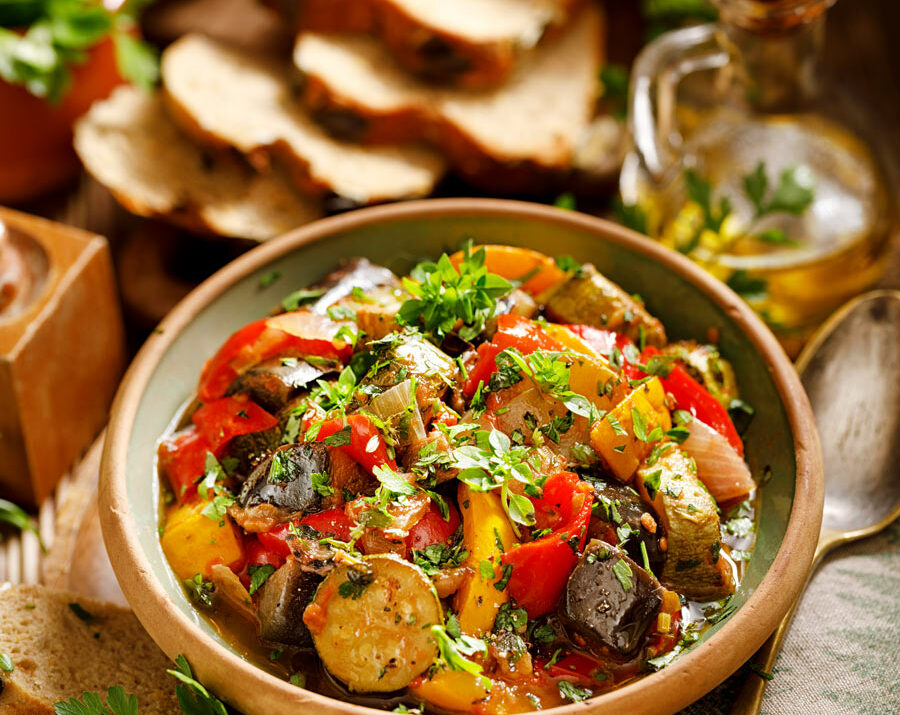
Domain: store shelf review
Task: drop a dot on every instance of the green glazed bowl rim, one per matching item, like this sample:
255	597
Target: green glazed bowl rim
689	677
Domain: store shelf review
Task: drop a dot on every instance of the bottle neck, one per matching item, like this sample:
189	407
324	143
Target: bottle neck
778	46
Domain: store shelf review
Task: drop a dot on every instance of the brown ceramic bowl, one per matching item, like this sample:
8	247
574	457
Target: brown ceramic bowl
782	435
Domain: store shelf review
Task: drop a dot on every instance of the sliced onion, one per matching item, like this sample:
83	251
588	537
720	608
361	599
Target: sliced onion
391	404
719	467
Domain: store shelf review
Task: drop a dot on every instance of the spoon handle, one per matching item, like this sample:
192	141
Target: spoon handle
749	700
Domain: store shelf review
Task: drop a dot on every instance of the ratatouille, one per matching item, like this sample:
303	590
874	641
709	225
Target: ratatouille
492	486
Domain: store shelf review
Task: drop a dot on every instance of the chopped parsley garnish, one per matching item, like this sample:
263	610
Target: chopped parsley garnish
268	279
452	652
623	572
572	692
356	584
203	592
301	297
341	438
214	491
259	574
321	483
443	295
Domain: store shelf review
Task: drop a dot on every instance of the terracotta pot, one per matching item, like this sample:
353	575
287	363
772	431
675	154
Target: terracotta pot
689	302
36	153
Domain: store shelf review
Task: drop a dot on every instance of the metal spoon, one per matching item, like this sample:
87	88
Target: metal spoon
851	372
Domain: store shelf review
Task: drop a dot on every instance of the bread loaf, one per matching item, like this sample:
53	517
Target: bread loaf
224	97
129	144
501	139
62	645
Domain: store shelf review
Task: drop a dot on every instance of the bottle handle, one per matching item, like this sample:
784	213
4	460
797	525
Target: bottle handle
657	73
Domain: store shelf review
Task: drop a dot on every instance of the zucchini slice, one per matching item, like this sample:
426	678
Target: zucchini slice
371	623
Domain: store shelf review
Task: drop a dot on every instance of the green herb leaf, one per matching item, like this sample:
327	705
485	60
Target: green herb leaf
118	702
301	297
259	574
572	692
6	663
203	592
443	295
623	572
268	279
341	438
193	698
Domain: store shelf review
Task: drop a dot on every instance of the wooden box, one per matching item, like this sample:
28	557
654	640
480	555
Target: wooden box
61	350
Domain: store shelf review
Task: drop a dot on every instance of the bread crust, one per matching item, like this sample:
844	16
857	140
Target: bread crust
422	48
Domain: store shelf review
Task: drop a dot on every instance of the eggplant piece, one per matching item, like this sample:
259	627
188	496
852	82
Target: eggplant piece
284	481
252	449
282	600
589	298
610	601
274	383
621	511
354	273
694	566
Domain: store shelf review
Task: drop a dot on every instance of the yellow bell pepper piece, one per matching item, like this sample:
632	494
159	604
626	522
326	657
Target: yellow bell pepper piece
193	542
598	382
451	690
614	437
484	522
573	342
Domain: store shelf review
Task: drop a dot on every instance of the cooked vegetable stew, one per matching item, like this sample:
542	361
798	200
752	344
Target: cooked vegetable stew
492	486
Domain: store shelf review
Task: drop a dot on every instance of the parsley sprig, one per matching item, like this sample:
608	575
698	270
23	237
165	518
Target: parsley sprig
443	296
452	653
493	462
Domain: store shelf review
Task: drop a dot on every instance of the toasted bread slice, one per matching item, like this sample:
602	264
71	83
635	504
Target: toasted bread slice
129	144
225	97
60	650
464	43
533	123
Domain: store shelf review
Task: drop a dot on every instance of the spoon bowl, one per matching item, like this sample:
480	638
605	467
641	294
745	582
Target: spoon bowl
851	373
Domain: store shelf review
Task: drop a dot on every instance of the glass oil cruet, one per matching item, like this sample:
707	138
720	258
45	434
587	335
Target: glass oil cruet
745	159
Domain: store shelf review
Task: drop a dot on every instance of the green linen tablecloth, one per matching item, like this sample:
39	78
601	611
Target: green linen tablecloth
842	653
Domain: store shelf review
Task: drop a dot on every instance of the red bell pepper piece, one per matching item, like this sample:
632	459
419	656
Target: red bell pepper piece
602	341
220	421
366	446
541	567
575	667
691	396
182	459
432	528
513	331
333	522
300	332
256	554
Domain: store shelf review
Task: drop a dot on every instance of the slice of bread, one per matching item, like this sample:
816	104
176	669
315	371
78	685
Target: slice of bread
463	43
532	124
60	651
129	144
225	97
